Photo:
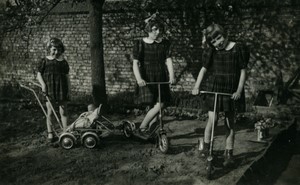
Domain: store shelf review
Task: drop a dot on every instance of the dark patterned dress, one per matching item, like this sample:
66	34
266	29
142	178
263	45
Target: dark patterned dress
152	58
54	74
223	74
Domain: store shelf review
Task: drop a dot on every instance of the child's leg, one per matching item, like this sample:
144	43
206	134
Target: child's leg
63	114
49	120
151	115
207	132
229	124
153	120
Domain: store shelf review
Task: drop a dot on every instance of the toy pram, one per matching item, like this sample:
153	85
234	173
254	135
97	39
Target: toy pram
87	129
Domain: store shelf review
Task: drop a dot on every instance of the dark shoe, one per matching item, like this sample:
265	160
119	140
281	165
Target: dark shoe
228	158
51	138
141	132
205	151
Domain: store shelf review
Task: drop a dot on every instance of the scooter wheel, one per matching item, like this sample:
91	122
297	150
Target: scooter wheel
163	143
67	142
127	130
90	141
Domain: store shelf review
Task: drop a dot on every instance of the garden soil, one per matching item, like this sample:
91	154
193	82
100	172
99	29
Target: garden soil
26	157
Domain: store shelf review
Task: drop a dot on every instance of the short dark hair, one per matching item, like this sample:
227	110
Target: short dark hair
55	42
152	23
213	31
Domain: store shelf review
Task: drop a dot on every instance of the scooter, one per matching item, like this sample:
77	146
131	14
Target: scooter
156	130
209	159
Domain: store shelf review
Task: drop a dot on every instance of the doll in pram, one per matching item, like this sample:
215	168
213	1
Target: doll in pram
88	128
85	119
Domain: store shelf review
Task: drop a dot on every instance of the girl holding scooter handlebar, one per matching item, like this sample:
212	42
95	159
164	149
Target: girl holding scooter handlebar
151	61
225	63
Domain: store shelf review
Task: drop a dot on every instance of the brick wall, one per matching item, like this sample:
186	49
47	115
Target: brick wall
273	50
21	51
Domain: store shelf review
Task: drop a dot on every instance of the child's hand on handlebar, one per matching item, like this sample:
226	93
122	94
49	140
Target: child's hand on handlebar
44	89
195	91
236	96
172	81
141	83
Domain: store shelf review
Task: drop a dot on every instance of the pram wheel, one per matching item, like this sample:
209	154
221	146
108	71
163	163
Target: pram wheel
127	129
90	140
67	141
163	143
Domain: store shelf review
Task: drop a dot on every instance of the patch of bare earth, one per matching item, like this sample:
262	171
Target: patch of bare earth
26	158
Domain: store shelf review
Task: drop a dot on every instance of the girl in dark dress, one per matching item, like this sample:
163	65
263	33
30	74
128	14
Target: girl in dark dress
53	76
152	63
225	64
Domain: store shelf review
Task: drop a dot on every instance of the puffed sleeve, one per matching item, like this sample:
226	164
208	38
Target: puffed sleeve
243	56
207	57
41	66
136	53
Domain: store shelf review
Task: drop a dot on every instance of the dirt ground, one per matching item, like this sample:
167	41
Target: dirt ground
26	158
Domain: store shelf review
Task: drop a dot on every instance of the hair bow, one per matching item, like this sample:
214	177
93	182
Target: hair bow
151	18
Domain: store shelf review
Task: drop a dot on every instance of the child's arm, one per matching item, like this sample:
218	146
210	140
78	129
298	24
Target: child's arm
201	74
137	74
41	81
239	90
169	64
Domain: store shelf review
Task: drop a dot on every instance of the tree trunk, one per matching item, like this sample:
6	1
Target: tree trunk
97	59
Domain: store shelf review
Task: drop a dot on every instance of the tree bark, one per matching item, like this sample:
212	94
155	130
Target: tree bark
97	59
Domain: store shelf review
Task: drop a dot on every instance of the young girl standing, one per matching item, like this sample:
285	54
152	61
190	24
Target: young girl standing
225	64
53	76
152	63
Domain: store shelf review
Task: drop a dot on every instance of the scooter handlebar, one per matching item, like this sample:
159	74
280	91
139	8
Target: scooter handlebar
157	83
219	93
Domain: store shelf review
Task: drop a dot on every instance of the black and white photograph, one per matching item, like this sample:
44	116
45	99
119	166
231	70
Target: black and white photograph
149	92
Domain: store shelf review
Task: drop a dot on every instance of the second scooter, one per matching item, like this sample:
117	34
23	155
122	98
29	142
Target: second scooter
156	130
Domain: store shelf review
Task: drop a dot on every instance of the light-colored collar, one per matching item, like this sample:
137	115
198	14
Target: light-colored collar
61	58
149	41
230	46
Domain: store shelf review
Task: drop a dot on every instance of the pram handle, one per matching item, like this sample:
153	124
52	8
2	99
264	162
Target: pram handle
218	93
25	87
34	83
30	82
37	98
